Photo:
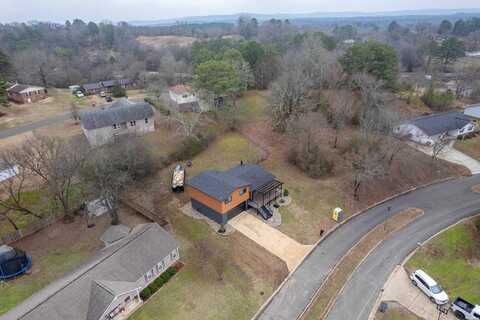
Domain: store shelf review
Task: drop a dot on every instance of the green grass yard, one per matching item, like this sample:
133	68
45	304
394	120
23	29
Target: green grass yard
225	152
37	201
197	294
453	259
470	147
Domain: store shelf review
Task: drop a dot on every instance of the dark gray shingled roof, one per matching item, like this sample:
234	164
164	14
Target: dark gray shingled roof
100	299
106	84
125	261
441	122
220	185
473	111
253	173
121	112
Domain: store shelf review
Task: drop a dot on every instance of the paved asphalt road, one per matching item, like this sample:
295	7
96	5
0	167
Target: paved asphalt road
444	204
452	203
35	125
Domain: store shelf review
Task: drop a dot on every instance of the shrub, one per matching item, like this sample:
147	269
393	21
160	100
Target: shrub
438	100
118	91
158	283
146	293
311	160
192	146
285	193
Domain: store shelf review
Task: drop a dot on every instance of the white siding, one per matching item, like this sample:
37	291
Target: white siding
183	98
100	136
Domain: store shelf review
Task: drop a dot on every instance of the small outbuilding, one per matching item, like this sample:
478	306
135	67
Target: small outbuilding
7	171
13	262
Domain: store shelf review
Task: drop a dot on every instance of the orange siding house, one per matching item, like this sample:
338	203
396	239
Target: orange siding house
222	195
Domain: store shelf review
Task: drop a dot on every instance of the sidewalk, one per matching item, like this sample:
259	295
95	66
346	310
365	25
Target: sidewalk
450	154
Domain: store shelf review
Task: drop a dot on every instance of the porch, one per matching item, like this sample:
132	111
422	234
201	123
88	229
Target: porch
266	194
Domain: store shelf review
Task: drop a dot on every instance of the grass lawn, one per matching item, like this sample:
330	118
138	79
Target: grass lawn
453	259
252	106
58	101
56	250
196	293
470	147
37	201
225	152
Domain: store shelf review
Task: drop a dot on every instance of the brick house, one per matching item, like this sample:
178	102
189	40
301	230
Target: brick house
22	93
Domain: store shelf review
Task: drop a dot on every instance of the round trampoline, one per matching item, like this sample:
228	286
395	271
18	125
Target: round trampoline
13	262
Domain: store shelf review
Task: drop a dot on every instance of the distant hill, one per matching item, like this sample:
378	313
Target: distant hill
309	16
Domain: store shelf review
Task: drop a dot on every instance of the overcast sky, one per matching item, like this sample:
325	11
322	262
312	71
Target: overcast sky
127	10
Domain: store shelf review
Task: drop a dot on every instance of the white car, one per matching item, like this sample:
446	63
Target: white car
429	286
79	94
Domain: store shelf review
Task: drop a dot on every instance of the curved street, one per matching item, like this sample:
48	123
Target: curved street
444	204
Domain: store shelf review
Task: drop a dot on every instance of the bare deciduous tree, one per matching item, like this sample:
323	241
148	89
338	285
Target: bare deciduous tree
187	121
112	168
13	188
56	162
440	144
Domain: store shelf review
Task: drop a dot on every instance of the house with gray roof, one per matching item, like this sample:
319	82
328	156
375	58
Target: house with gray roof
120	118
427	130
473	112
107	85
108	286
221	195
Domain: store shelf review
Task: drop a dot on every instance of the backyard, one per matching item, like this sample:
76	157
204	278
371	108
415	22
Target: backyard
453	259
56	250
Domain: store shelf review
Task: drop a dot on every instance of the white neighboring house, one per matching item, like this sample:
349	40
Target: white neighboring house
473	112
108	285
182	93
7	171
426	130
122	117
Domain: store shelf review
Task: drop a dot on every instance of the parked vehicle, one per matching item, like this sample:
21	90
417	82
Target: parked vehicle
108	99
465	310
79	94
103	94
429	286
178	178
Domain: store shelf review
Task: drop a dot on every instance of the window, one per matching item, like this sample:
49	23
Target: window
115	126
185	96
243	191
229	199
148	276
146	120
133	123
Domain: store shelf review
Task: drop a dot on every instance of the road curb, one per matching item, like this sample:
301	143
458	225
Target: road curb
328	233
402	264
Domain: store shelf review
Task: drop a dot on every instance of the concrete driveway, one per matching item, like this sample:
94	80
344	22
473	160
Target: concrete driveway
399	288
271	239
450	154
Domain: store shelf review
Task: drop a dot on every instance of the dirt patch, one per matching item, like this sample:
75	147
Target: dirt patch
159	42
396	311
340	275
